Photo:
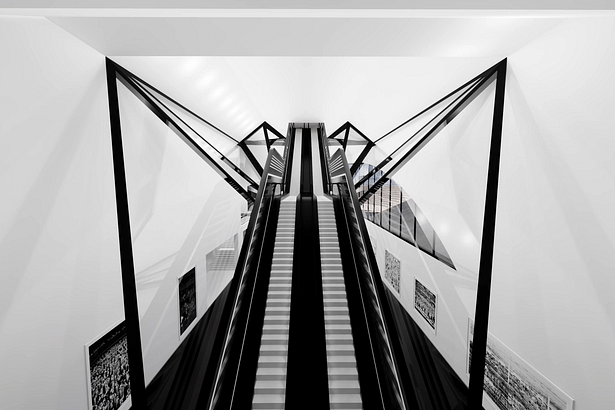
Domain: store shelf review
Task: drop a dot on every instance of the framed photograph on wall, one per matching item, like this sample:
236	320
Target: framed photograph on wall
187	300
107	371
512	383
426	303
392	271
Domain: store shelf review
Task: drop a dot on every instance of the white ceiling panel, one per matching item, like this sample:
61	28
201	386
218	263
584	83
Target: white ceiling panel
208	36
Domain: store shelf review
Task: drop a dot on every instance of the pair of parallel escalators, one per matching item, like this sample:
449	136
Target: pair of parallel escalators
296	337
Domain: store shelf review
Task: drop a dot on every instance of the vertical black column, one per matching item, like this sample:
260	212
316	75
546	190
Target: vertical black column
307	379
481	320
129	285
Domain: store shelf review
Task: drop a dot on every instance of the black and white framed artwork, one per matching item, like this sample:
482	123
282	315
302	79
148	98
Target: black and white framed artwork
187	300
512	383
108	374
392	271
426	303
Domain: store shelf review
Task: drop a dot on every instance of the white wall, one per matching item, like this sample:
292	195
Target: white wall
181	209
552	301
60	283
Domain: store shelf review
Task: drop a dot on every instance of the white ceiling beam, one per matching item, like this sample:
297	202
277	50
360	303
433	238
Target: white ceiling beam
308	8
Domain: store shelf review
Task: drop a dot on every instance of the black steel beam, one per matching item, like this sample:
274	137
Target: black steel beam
271	129
266	137
483	295
129	283
359	132
339	130
346	135
254	131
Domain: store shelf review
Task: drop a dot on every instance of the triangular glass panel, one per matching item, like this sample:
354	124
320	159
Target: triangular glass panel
201	139
219	141
187	126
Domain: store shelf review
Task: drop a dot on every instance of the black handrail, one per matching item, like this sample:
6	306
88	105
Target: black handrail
383	341
324	158
289	147
239	306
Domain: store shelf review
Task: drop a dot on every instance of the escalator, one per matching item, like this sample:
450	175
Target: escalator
304	323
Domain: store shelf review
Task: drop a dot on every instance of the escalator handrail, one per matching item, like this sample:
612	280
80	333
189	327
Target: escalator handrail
379	290
288	158
242	270
324	158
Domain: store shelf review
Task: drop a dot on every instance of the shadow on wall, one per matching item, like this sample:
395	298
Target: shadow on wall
569	198
217	221
38	210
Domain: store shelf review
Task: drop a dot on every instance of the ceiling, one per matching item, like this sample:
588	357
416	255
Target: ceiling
299	36
372	62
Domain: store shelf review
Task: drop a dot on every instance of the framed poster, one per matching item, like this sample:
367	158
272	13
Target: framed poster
392	271
107	371
426	303
512	383
187	300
